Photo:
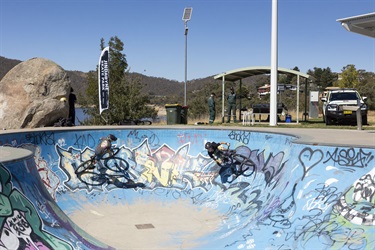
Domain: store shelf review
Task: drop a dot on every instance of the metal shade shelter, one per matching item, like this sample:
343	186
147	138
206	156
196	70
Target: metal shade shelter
239	74
362	24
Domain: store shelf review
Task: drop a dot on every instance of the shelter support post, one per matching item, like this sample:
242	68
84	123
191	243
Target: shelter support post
240	115
305	113
223	98
297	108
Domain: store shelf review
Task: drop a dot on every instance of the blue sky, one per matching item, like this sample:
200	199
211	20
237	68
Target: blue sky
223	34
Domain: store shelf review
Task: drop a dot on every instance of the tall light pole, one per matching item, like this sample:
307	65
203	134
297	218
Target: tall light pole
186	17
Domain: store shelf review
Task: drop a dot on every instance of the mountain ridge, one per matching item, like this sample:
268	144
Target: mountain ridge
154	86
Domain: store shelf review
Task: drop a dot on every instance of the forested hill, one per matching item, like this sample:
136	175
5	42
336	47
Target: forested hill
155	86
6	65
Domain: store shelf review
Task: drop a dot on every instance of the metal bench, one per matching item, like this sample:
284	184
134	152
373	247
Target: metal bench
264	109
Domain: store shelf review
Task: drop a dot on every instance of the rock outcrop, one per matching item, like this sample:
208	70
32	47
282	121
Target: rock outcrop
33	94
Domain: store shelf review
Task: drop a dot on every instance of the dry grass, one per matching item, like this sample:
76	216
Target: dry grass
371	117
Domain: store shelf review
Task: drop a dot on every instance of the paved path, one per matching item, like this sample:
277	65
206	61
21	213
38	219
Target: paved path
332	137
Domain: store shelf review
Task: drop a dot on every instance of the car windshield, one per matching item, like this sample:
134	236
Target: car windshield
344	96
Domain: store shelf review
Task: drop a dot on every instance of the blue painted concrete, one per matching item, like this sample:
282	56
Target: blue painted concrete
300	197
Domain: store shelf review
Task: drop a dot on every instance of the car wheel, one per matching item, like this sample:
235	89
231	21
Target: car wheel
328	121
364	120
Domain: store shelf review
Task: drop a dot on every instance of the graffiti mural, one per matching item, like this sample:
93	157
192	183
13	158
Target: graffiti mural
298	197
21	226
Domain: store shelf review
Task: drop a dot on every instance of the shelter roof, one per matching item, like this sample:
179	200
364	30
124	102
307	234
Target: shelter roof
362	24
241	73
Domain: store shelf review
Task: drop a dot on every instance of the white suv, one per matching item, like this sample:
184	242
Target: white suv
340	106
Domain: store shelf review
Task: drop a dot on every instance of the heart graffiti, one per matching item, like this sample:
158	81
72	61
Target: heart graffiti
310	158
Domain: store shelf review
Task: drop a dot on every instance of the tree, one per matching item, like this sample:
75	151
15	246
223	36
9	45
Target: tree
126	100
198	102
323	78
291	78
328	78
366	87
349	77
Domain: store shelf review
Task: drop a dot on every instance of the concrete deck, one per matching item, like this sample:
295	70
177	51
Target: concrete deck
328	137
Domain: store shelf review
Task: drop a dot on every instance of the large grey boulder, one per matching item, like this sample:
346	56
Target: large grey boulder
33	94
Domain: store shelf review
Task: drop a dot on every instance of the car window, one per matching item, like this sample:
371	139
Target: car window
333	97
344	96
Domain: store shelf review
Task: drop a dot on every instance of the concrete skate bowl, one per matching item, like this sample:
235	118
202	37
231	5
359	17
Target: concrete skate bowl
299	196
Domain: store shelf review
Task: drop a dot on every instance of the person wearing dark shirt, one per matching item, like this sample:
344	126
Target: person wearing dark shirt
217	151
72	111
231	98
220	153
211	108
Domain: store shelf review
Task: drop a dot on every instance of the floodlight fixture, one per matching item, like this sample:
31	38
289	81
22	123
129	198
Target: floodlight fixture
187	14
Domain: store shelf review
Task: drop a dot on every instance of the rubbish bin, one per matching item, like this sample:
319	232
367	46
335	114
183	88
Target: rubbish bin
288	118
184	112
173	113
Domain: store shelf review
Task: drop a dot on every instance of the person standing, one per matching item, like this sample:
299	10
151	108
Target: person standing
231	98
72	110
211	108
